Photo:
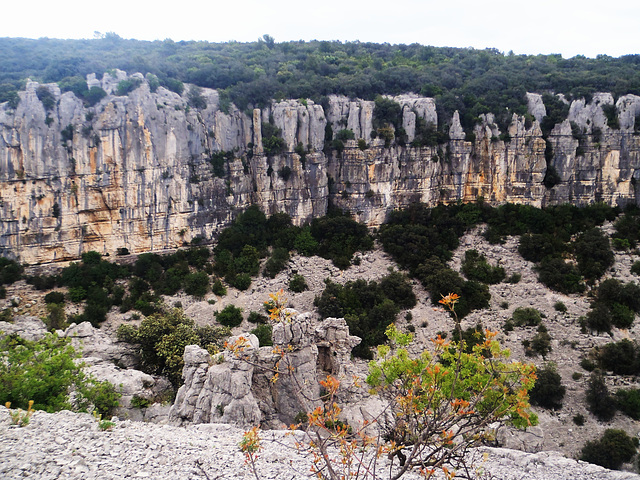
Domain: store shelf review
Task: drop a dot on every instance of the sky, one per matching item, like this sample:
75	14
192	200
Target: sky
566	27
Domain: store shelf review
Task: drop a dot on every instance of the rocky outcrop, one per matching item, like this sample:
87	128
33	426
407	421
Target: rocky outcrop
253	385
137	171
70	446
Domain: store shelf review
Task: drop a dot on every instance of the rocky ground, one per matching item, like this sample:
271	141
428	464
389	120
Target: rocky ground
70	446
556	431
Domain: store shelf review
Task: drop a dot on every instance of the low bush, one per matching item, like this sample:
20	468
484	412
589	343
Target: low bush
10	271
46	371
298	283
162	337
628	401
277	262
621	358
476	267
560	307
366	306
255	317
526	317
54	297
599	401
263	331
196	284
548	391
218	288
612	450
230	316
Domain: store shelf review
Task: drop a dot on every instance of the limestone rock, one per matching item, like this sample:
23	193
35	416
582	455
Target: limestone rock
134	171
240	388
29	328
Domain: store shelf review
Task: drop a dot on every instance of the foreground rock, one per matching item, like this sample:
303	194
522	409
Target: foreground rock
71	446
237	388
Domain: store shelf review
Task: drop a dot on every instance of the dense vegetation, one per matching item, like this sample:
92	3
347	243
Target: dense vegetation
471	81
368	307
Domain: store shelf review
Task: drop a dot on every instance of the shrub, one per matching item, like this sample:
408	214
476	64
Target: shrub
263	331
10	271
339	237
613	449
366	308
230	316
54	297
622	358
218	288
56	320
255	317
297	283
635	268
161	339
628	401
548	391
579	419
560	307
540	344
559	275
196	284
476	267
599	401
593	252
277	262
242	281
45	371
529	317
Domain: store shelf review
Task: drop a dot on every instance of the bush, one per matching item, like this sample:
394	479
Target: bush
593	252
366	308
476	267
54	297
196	284
622	358
540	344
277	262
599	401
241	282
161	338
10	271
218	288
548	391
230	316
56	320
613	449
263	331
526	317
255	317
579	419
46	371
559	275
628	402
560	307
297	283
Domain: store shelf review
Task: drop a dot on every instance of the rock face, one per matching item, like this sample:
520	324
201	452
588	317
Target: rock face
238	388
137	172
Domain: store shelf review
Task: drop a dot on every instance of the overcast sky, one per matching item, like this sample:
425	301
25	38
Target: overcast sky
568	27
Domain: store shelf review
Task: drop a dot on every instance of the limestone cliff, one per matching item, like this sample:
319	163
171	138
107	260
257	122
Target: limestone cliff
136	171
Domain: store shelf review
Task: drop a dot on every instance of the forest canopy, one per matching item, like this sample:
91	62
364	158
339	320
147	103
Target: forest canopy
252	74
